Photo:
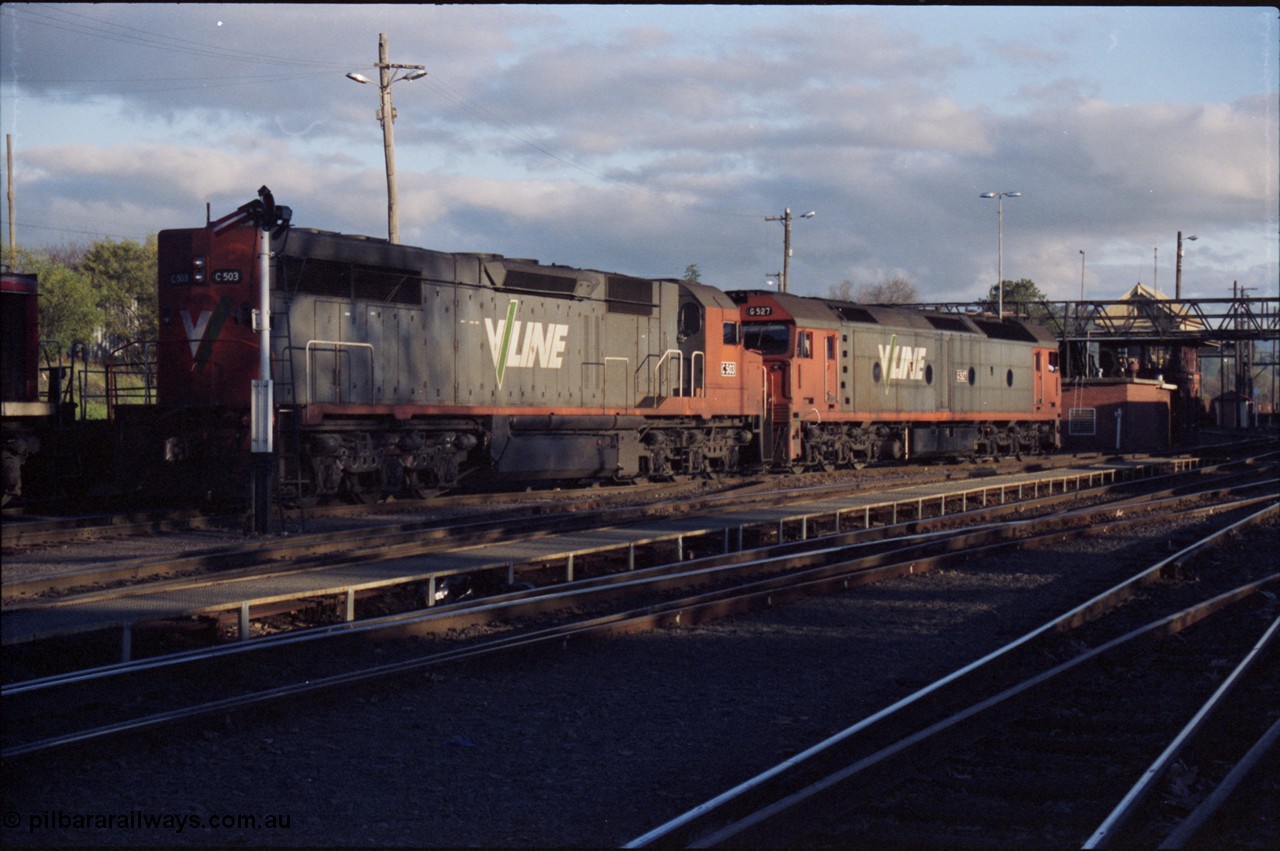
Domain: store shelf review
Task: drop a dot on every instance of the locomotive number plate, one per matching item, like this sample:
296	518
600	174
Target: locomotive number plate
226	276
728	368
760	310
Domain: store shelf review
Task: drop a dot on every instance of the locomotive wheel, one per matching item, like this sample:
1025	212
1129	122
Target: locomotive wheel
351	491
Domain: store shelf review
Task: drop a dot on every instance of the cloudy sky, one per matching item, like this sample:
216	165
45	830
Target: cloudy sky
641	139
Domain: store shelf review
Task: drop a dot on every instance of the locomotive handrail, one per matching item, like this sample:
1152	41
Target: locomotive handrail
337	346
143	365
765	428
694	384
655	386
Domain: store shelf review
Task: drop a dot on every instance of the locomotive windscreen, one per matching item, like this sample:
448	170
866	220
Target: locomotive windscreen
769	338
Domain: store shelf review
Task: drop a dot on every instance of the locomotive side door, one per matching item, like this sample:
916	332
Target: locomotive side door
1047	380
831	372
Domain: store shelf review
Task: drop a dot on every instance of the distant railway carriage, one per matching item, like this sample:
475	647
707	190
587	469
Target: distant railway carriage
850	383
24	415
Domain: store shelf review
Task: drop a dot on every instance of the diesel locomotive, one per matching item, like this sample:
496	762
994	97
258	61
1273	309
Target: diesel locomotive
851	383
398	368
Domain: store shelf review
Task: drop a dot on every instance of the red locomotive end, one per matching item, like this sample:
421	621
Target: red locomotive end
208	353
21	339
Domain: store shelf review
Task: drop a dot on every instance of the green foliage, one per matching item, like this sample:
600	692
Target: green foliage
107	287
1016	292
1021	298
124	276
69	311
692	274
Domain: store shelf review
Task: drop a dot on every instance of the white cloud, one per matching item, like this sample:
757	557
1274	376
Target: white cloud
647	144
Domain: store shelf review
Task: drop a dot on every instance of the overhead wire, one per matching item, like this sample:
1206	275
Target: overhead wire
111	31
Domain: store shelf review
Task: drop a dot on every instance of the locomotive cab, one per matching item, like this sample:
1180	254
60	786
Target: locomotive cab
797	340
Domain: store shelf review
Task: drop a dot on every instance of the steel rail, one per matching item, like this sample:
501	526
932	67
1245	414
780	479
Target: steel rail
842	549
1109	827
719	601
256	552
1169	624
1187	830
20	533
226	563
1082	613
793	555
412	539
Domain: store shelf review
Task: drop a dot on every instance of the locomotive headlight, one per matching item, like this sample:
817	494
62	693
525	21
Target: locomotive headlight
197	271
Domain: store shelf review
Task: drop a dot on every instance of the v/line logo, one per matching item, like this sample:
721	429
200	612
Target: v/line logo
902	362
520	345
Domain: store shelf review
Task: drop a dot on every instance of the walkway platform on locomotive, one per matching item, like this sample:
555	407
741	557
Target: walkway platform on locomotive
212	595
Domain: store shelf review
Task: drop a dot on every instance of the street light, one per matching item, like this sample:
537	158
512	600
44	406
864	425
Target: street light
387	117
1177	291
1000	196
1081	274
785	218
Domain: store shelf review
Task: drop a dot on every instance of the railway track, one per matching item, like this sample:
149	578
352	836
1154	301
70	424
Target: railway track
320	565
24	530
1056	739
366	542
678	593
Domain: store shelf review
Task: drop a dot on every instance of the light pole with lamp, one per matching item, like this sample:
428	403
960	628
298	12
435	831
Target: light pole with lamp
387	117
786	219
1177	277
1000	196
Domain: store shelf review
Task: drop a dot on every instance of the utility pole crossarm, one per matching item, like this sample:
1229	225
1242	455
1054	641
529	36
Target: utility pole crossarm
386	117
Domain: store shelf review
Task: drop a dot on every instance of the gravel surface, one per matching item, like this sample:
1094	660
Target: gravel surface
592	744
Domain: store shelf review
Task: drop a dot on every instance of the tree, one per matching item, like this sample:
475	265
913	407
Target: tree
68	304
844	291
691	273
124	276
895	290
1021	298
